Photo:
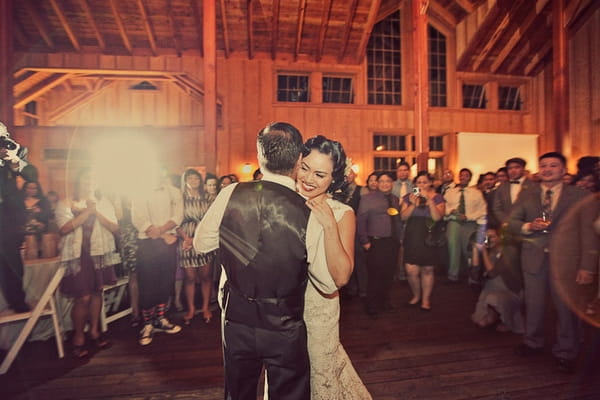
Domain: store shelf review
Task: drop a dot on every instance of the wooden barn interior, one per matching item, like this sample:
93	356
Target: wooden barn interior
390	79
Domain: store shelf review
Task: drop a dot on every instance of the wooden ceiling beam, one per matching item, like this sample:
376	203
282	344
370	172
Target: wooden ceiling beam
325	16
80	100
99	71
275	28
466	5
299	28
481	36
147	26
40	88
198	22
364	39
538	58
436	9
174	28
22	77
347	29
119	22
518	35
582	15
90	17
250	23
65	25
39	24
571	10
499	30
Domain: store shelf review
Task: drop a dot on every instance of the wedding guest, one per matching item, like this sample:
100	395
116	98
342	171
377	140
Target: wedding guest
421	210
87	249
371	184
155	216
501	298
197	267
225	181
37	211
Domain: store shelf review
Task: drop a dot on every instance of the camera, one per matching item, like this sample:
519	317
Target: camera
8	144
416	191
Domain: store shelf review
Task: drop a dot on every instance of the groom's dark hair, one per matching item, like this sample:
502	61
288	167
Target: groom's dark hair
279	145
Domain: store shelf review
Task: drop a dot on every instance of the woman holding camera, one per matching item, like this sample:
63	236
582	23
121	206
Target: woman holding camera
421	209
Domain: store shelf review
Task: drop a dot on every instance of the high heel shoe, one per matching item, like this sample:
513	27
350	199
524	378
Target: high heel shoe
187	321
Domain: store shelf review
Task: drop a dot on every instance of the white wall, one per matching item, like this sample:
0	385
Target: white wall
482	152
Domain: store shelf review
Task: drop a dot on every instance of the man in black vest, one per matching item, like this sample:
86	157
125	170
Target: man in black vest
260	230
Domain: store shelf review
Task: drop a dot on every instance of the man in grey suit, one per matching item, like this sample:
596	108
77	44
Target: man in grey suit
535	215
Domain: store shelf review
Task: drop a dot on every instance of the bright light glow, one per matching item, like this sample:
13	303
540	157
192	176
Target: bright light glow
125	165
431	165
380	148
247	168
355	168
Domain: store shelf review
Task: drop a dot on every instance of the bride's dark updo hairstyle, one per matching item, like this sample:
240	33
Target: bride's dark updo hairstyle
334	150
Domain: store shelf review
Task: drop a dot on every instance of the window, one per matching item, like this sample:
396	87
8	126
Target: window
509	98
474	96
436	143
337	90
389	142
293	88
383	62
388	163
437	68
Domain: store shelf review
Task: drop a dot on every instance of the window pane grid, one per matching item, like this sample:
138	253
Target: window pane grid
384	62
437	68
337	90
474	96
389	142
293	88
509	98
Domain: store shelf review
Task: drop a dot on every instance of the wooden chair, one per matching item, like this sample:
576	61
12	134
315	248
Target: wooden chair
45	306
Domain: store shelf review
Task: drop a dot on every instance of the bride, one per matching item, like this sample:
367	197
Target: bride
320	179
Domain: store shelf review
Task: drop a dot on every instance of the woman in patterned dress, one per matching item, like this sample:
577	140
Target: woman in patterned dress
196	266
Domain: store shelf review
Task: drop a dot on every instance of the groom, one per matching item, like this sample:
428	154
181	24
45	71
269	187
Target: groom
260	228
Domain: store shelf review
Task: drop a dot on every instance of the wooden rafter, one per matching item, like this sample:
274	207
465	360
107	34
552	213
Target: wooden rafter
571	10
442	13
530	44
582	15
80	100
347	29
40	88
90	17
147	26
174	28
225	28
466	5
65	25
119	22
23	77
198	23
538	58
250	23
325	15
275	28
488	24
39	24
91	71
364	40
499	30
517	35
299	28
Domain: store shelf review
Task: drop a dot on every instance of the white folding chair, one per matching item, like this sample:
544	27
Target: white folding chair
45	306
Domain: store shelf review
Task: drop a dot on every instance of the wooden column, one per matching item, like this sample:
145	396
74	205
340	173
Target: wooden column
560	79
210	84
6	63
421	81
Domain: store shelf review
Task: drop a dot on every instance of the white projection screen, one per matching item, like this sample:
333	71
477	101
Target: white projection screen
482	152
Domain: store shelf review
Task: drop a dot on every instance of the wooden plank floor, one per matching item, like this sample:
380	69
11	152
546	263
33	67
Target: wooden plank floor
411	354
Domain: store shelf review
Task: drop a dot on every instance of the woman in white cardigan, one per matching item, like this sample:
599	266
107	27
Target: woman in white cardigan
87	249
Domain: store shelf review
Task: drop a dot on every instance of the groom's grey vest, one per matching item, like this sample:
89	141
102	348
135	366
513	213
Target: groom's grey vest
263	251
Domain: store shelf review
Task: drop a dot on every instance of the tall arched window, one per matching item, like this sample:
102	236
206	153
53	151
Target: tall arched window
383	62
437	68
